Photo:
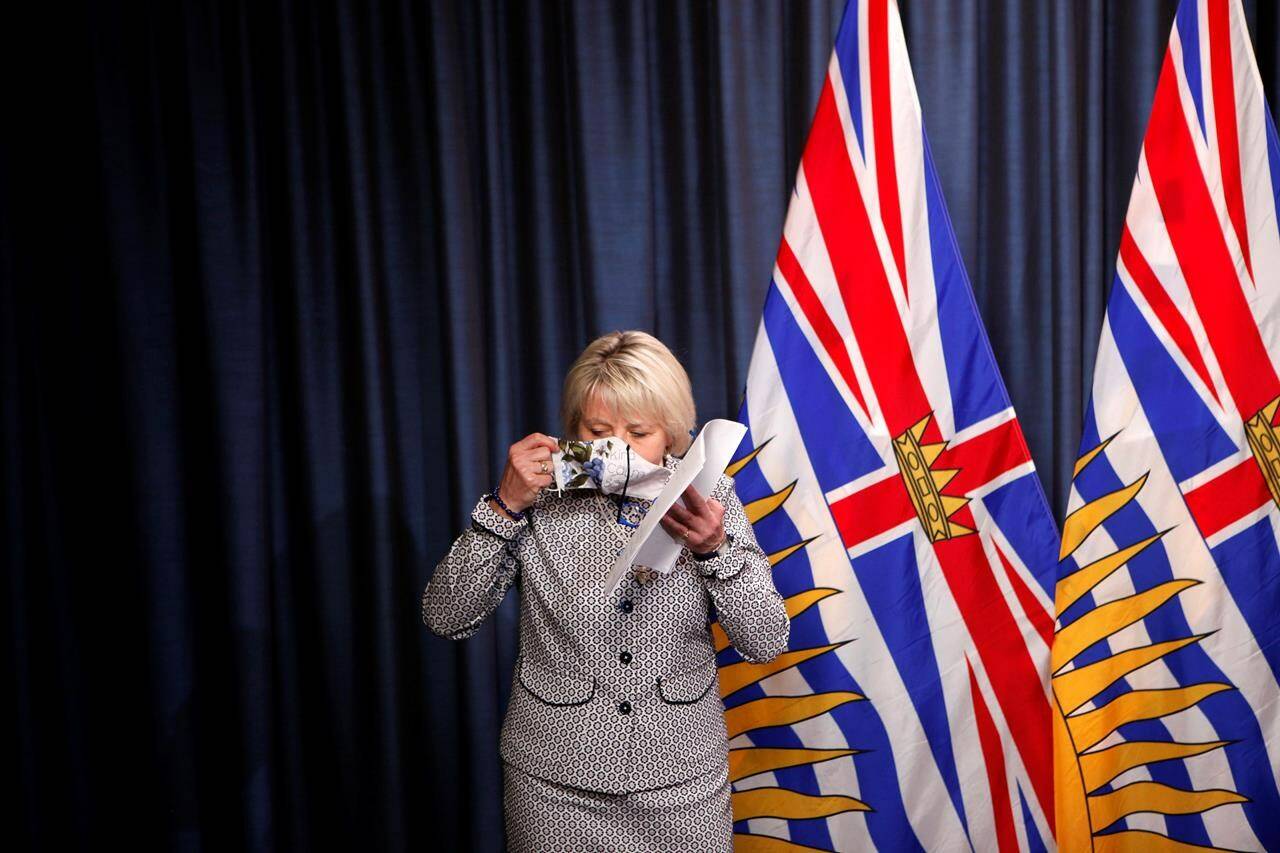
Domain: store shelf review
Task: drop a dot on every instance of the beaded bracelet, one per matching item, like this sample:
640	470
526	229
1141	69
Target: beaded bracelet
518	516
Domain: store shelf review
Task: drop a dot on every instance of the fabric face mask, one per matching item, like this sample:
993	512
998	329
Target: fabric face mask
608	464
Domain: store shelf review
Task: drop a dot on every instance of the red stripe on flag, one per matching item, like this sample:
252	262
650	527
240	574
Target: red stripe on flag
1224	113
964	517
1036	614
998	639
818	318
983	457
1227	498
859	270
872	510
993	756
1172	320
1202	251
882	122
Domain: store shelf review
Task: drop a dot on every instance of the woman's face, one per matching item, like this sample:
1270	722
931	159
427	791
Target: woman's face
647	437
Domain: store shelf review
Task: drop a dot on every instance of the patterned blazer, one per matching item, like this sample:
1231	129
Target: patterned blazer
618	693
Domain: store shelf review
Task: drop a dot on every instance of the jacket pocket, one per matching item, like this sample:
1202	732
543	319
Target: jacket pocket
555	686
687	687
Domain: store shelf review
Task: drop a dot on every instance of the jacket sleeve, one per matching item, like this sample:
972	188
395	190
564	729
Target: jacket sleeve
740	582
472	579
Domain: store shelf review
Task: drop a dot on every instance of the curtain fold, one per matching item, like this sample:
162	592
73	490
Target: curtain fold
280	282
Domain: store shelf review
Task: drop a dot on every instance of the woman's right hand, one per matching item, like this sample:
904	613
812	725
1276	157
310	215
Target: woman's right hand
523	478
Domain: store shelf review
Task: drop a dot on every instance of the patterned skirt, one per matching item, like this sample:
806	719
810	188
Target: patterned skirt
546	817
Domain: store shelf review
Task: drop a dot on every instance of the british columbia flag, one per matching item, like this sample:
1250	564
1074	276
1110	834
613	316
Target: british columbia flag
1165	662
886	474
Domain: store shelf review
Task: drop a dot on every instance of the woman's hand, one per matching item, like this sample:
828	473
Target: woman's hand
528	471
698	525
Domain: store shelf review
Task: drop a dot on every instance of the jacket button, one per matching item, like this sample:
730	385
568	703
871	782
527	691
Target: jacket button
626	605
625	657
624	706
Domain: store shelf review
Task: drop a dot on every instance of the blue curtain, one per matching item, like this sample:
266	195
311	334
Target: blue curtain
280	282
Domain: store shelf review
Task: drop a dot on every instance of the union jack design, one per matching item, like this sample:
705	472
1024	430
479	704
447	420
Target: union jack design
1165	661
885	472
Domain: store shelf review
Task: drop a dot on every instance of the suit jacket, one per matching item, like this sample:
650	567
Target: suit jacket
617	693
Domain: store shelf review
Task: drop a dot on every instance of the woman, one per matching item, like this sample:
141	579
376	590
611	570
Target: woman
614	738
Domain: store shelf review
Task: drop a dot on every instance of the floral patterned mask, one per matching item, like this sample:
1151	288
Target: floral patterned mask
610	465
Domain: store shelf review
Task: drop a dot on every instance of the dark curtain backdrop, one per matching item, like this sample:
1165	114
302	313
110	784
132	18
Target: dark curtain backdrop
280	282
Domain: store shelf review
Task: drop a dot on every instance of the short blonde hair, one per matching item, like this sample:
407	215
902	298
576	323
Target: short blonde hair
636	376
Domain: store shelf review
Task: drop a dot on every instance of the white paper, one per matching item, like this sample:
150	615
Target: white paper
702	466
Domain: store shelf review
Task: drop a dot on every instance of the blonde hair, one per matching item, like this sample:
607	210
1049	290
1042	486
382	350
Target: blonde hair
636	376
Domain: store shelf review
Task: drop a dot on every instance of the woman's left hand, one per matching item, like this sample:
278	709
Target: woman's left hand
698	525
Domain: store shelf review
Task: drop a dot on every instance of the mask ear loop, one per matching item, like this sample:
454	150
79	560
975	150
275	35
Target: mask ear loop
622	499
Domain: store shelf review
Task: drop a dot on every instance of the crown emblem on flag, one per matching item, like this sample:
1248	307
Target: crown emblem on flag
1265	446
925	483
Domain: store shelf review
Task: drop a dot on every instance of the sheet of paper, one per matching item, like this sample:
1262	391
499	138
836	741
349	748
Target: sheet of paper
702	466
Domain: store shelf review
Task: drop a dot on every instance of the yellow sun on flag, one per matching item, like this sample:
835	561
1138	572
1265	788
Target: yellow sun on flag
778	802
1086	756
